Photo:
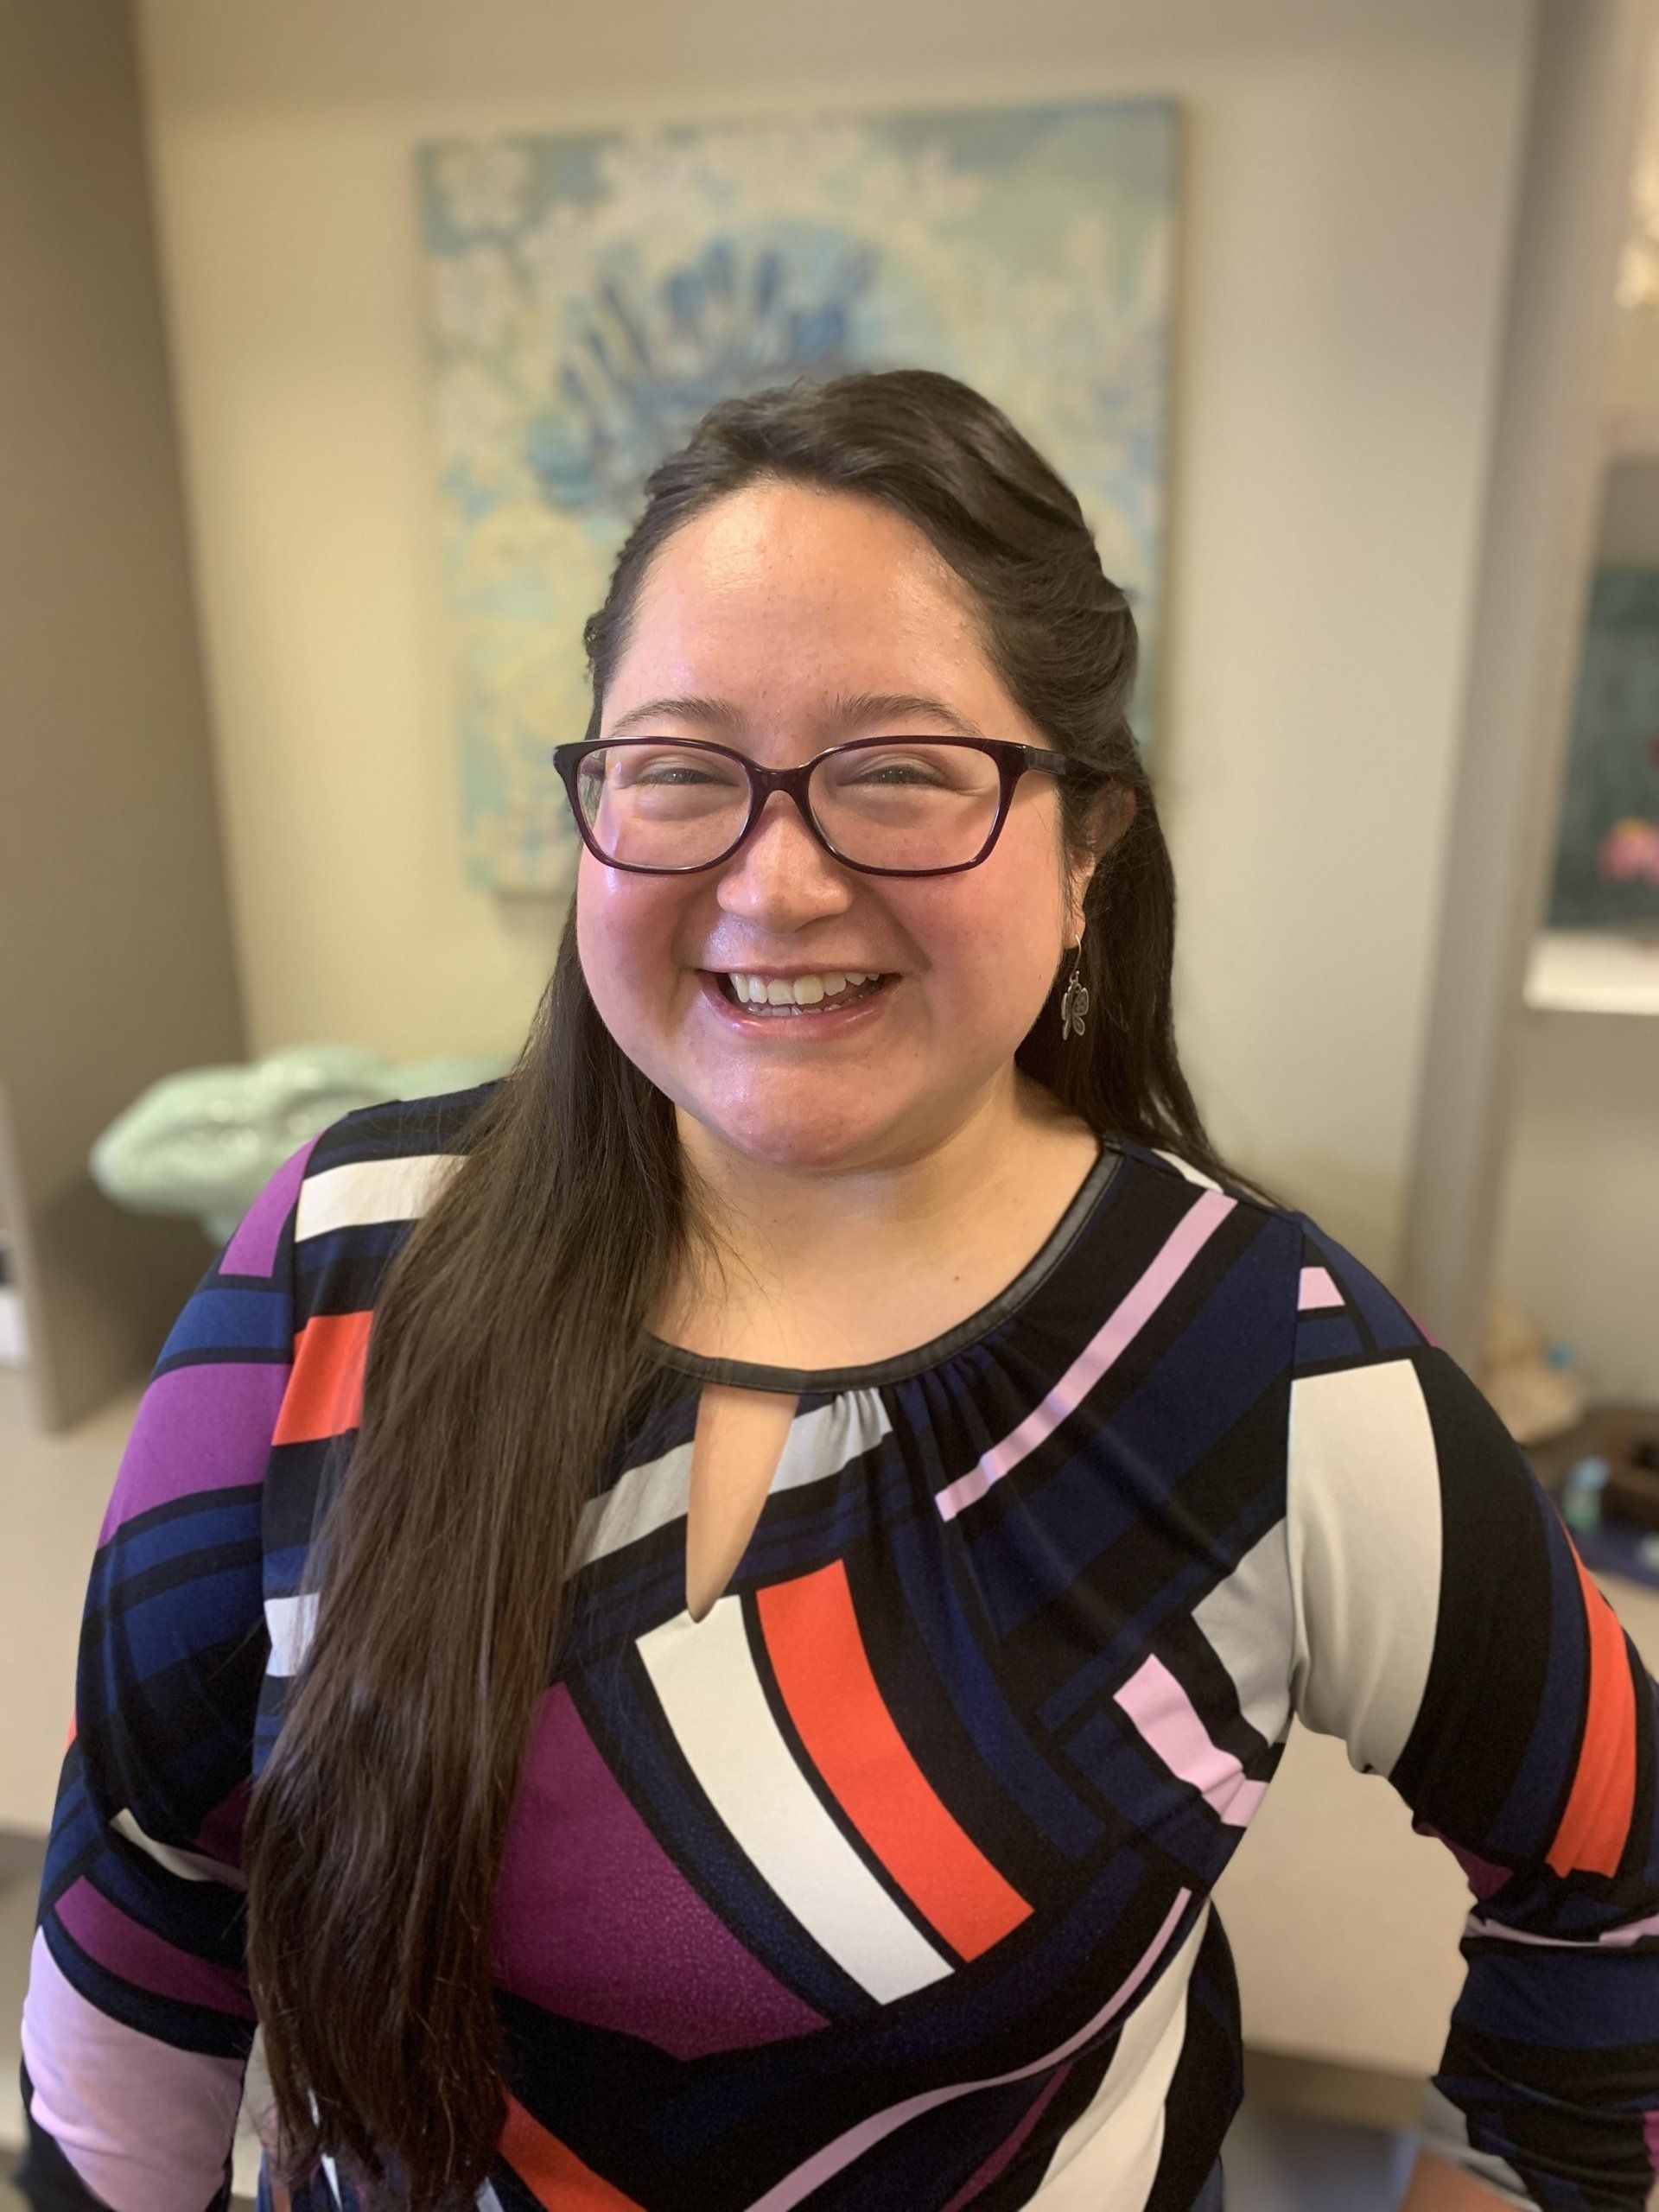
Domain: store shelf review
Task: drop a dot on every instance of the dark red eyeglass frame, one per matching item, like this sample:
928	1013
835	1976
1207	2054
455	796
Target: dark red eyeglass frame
1011	758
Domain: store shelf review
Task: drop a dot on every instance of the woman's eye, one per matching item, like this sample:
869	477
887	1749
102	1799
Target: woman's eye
906	772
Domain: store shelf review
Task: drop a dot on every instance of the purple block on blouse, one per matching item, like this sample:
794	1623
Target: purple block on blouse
200	1427
593	1920
252	1249
137	1955
1483	1879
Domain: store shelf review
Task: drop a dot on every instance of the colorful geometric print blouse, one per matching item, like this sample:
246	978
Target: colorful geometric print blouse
887	1884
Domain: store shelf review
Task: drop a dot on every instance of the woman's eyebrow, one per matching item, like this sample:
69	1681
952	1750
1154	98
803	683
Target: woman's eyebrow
713	714
840	713
879	706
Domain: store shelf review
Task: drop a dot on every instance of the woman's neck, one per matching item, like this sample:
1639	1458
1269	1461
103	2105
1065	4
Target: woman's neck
823	1255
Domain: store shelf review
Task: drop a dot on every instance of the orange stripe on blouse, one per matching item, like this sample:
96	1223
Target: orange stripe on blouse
324	1396
1601	1804
818	1656
551	2171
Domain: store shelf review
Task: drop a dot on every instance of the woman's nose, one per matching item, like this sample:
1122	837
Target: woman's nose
781	864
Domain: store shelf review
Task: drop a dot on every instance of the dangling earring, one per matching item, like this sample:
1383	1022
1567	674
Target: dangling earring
1075	1004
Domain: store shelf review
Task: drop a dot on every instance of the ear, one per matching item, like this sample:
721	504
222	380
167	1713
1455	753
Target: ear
1110	818
1081	877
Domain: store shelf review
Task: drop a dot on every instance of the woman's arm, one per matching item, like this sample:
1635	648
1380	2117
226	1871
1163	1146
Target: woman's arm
137	2020
1436	2187
1446	1628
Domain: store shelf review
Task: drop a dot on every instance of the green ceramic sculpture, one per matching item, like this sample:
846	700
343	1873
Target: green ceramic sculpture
206	1140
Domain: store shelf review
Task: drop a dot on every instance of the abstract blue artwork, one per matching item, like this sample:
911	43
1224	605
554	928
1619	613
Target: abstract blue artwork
589	296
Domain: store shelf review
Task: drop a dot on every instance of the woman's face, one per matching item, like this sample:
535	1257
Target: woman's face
799	617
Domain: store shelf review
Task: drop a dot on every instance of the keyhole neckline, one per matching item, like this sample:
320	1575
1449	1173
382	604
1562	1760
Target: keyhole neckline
736	1572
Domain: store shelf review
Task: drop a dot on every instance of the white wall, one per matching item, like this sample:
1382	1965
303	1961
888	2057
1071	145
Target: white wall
1348	184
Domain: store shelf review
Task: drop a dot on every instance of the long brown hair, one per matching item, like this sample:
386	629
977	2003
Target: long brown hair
506	1346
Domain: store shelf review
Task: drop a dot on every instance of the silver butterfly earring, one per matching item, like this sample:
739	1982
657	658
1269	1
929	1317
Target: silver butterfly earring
1075	1004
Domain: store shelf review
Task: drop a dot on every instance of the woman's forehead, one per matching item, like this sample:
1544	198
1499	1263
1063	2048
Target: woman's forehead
784	543
808	600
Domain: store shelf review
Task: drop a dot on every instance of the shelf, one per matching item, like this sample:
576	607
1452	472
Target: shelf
1592	972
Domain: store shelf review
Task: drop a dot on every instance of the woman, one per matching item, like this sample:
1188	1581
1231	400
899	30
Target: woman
778	1629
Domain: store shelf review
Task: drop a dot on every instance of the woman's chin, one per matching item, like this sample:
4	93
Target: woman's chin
812	1142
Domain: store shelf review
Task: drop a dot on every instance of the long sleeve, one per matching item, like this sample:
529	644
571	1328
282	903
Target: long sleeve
1447	1630
137	2022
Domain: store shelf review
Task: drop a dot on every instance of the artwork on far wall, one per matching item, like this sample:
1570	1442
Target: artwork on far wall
1607	860
590	296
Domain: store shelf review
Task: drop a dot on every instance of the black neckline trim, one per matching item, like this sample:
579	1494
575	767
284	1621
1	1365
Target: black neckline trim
811	1381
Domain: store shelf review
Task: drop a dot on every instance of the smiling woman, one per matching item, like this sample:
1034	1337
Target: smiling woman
729	1595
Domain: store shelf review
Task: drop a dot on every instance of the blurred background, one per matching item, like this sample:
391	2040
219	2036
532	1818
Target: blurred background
337	337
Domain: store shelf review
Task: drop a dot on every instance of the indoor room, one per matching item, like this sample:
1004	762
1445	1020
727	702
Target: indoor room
721	1485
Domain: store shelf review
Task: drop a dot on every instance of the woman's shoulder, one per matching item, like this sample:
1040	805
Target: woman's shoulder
1172	1163
385	1161
1344	1308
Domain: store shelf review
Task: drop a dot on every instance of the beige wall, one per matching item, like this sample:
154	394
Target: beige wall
1347	197
114	964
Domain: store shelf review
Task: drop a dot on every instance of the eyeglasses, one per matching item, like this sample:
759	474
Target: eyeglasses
885	805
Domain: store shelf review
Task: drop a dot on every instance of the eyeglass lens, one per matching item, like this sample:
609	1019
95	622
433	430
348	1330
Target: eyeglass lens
907	806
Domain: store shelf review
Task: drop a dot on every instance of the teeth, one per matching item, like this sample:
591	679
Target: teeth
800	990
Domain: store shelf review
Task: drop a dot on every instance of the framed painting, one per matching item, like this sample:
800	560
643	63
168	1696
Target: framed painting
589	296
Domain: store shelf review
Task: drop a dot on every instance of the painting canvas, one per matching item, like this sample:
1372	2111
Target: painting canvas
589	296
